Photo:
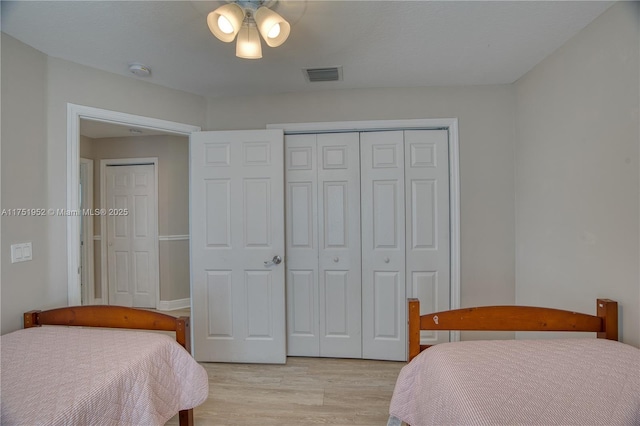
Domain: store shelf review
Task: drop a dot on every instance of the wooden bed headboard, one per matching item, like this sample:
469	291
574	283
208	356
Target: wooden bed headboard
112	317
512	318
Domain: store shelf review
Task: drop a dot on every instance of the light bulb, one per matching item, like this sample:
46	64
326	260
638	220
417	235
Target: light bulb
274	31
224	25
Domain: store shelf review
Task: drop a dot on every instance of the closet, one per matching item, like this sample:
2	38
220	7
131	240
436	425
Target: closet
367	225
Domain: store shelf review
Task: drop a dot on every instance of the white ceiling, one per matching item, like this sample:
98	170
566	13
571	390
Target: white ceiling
379	43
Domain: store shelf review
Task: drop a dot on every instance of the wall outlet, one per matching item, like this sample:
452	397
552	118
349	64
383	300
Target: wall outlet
21	252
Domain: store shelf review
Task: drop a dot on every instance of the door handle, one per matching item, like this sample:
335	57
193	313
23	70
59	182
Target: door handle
275	261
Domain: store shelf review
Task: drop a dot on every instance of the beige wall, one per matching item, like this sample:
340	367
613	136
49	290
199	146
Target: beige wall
35	93
486	117
550	163
25	285
577	185
86	147
72	83
173	201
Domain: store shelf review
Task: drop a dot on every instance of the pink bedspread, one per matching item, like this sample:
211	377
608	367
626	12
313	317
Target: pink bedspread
81	376
561	381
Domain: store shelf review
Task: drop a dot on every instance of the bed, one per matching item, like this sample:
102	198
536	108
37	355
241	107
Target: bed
552	381
96	373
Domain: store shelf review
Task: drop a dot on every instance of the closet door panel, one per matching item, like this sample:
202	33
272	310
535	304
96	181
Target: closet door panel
339	256
336	297
383	245
303	315
427	218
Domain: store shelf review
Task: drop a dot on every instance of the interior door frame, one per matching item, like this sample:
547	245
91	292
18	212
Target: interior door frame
104	261
87	231
449	124
75	113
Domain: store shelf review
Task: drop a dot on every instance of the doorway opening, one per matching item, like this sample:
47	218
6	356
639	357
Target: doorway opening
79	118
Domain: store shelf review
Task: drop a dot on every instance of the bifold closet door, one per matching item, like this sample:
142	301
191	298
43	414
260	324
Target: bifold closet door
339	273
383	245
303	310
427	218
323	245
367	227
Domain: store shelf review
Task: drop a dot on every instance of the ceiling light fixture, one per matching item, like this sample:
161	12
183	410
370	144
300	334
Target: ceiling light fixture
245	19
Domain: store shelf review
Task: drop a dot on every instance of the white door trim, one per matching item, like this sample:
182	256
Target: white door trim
74	114
449	124
104	278
88	234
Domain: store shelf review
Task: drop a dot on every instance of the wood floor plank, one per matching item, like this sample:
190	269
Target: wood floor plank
304	391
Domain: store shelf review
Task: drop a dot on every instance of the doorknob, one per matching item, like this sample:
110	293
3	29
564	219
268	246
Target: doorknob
275	261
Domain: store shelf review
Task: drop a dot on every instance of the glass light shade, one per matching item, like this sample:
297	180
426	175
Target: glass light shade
267	19
233	14
248	44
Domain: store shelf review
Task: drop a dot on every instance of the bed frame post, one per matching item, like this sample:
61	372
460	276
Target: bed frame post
31	319
183	332
608	310
414	328
183	337
186	417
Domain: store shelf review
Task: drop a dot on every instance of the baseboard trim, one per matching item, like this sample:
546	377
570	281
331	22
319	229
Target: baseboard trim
172	305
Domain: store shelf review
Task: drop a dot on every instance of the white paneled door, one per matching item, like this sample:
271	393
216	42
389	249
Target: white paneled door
428	248
237	246
383	241
339	245
303	306
132	234
367	227
323	245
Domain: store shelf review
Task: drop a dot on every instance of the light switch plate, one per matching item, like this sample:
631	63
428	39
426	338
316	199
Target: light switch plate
26	251
21	252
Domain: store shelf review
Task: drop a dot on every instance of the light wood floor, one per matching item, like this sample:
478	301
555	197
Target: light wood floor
304	391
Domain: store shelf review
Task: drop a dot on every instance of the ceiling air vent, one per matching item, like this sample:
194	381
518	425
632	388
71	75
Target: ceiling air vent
323	74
